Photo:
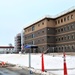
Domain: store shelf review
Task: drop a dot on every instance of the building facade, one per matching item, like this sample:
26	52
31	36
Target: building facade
56	34
22	41
6	49
18	43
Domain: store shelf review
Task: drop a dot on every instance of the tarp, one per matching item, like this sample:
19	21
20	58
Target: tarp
30	46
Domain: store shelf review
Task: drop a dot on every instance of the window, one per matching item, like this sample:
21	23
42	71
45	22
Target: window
65	28
42	23
68	36
71	16
58	21
61	20
65	37
42	31
56	39
62	47
42	39
59	47
32	35
68	27
64	19
33	28
56	48
58	30
72	36
59	38
33	42
61	29
68	18
72	47
72	26
62	38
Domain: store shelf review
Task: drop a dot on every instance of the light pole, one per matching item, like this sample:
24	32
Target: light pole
29	47
30	58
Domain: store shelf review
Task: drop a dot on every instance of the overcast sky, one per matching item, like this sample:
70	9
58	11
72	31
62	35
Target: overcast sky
17	14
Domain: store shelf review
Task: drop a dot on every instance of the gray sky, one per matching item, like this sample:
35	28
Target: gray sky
17	14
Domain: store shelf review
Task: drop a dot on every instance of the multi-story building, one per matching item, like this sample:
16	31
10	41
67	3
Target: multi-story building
22	41
54	33
18	43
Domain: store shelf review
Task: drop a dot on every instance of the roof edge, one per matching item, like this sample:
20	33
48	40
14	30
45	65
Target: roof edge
51	17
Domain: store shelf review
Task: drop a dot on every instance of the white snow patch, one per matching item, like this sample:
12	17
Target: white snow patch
52	64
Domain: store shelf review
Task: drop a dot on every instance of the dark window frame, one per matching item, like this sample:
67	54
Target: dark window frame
33	28
64	19
61	20
67	17
72	16
58	21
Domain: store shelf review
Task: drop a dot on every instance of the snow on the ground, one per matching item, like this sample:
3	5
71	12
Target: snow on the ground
60	72
52	64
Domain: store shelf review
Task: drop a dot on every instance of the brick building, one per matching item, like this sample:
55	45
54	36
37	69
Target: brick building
54	33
